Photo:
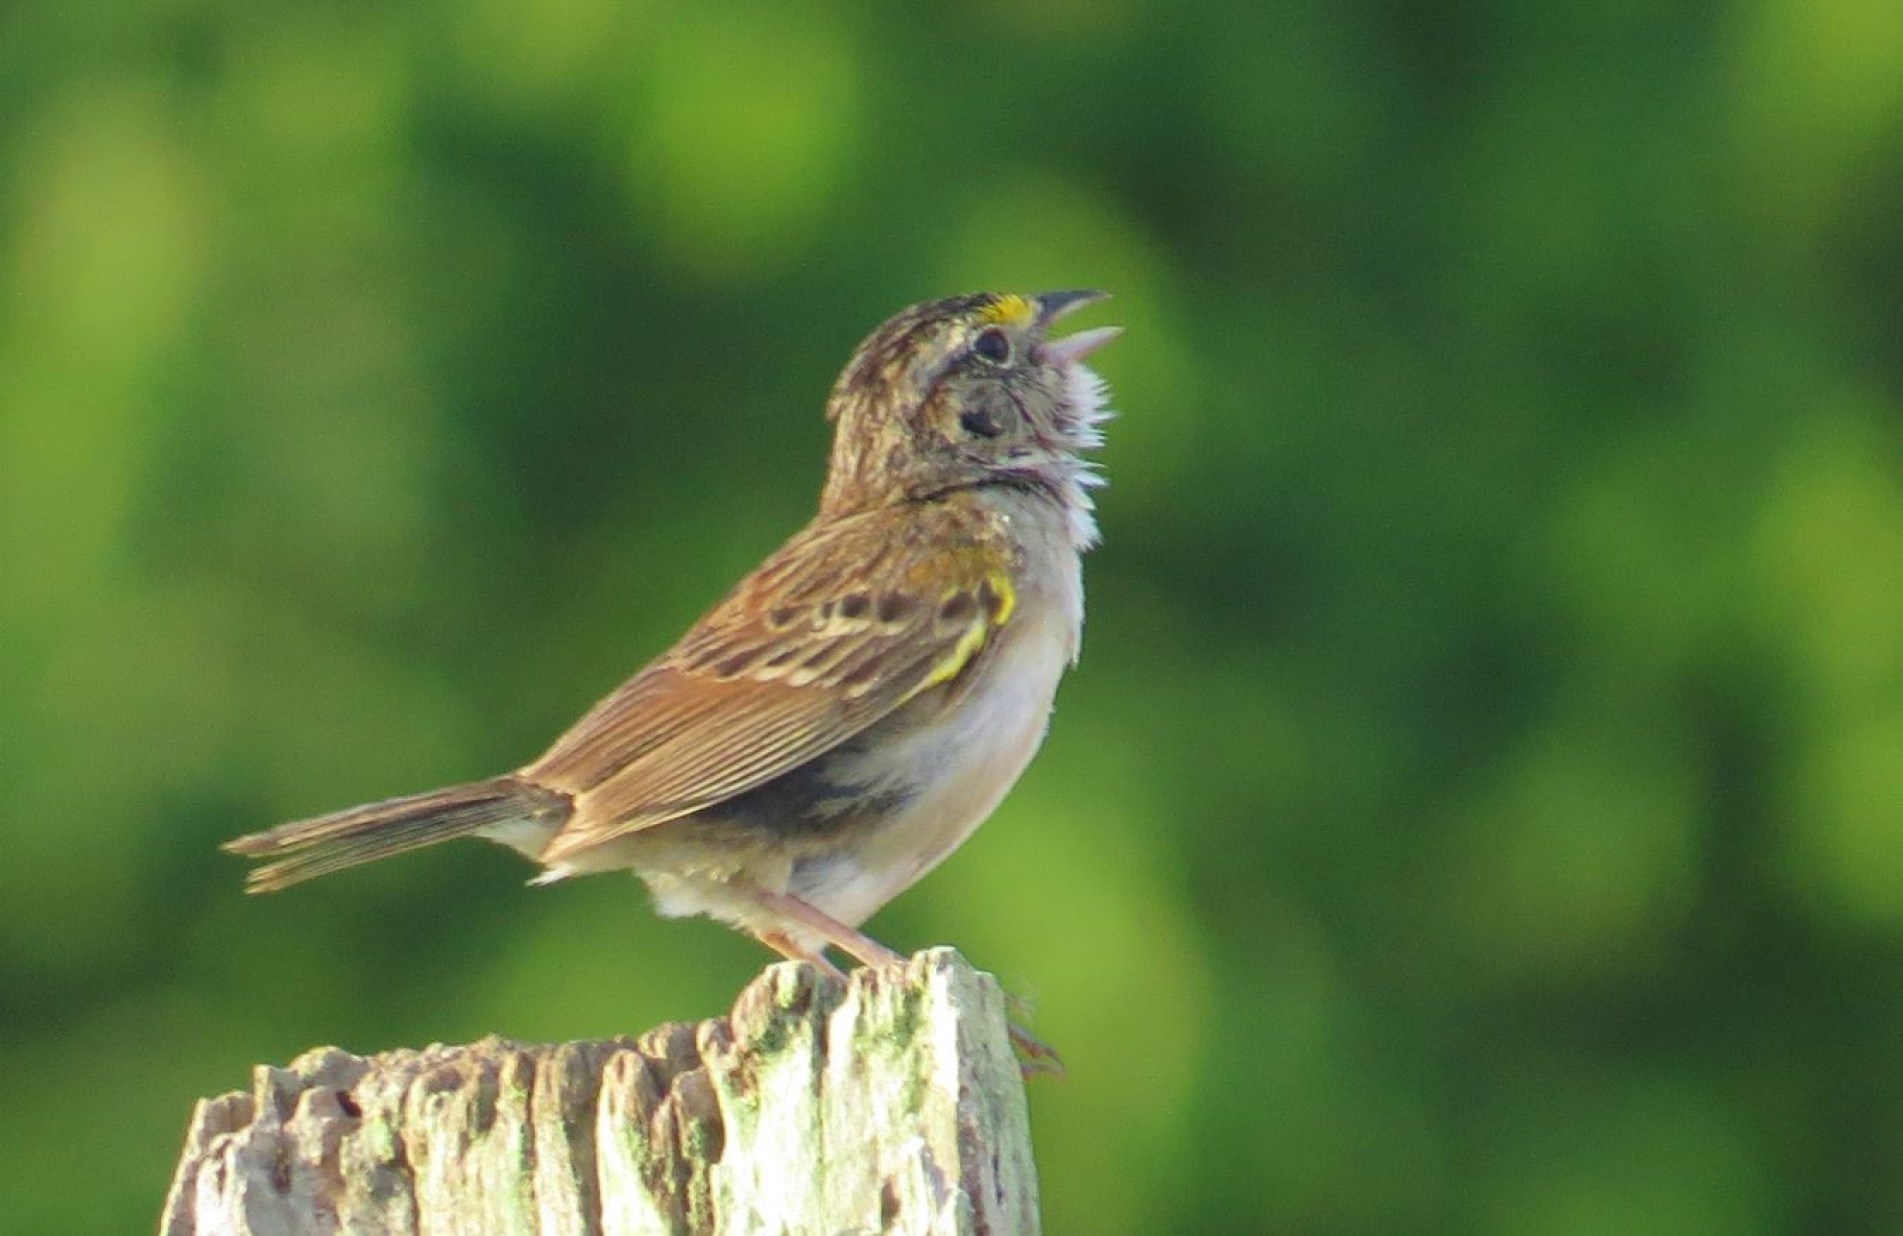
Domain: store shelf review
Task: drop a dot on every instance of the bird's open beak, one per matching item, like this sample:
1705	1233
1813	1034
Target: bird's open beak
1054	305
1072	348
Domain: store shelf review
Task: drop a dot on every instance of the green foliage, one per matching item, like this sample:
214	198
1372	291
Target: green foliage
1480	806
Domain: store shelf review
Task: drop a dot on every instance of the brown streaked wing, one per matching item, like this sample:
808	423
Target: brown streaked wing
842	626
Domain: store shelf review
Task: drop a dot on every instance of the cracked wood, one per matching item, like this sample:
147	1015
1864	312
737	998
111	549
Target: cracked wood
892	1103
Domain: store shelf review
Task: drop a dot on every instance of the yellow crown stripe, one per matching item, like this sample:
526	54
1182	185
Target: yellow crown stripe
1009	308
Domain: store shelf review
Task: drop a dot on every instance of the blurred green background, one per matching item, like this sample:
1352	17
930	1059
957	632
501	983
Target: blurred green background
1480	805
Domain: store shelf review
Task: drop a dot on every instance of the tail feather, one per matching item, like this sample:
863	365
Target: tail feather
305	849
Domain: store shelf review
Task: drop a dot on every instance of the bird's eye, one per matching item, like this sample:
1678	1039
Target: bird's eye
979	423
993	345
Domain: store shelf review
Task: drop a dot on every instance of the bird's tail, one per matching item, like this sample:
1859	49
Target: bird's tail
507	809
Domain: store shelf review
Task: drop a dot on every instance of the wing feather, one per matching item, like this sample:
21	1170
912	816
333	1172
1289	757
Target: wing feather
845	624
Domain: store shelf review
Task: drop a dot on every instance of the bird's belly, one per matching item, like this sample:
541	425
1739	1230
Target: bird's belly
942	778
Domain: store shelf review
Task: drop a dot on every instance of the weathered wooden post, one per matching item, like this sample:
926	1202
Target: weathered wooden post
892	1103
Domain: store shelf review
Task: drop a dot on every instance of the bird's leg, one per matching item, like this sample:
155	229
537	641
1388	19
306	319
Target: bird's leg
783	944
1034	1054
847	940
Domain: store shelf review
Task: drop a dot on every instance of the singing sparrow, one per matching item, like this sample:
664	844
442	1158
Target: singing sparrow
857	705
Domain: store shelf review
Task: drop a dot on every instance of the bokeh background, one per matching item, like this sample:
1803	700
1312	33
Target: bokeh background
1480	805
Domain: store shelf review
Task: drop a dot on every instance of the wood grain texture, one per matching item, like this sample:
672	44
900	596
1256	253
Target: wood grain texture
892	1103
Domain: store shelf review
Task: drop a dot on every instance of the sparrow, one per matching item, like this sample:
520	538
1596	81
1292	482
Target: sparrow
856	706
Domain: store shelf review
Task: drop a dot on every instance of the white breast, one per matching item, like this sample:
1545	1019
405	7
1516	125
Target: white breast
963	764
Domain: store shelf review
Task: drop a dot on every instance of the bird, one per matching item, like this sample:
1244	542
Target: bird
858	704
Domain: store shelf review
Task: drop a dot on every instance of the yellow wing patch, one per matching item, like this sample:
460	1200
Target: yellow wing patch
999	597
960	656
996	599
